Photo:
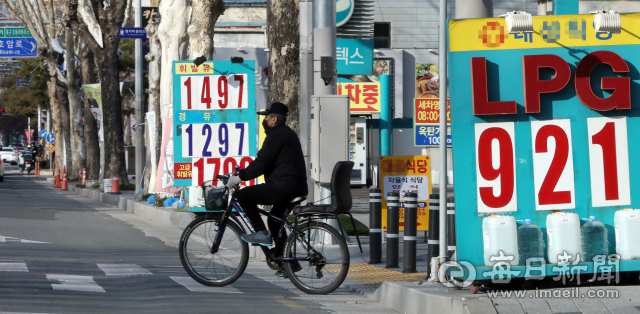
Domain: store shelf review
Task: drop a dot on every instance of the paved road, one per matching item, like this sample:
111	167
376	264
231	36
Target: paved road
62	253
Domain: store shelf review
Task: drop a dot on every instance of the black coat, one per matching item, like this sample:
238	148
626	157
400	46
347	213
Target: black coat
280	160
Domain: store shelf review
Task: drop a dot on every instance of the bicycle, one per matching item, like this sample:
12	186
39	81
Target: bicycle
213	256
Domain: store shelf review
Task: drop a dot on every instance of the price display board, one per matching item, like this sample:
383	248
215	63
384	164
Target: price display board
543	122
215	120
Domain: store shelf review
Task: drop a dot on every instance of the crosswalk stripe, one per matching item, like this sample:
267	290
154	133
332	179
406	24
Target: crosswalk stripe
123	270
18	240
195	286
75	283
18	267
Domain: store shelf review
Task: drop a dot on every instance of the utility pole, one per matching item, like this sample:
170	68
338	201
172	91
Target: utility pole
442	64
306	85
324	45
138	103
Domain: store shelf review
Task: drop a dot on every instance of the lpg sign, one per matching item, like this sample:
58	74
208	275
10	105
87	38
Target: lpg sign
543	122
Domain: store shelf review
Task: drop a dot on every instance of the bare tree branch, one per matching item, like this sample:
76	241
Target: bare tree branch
87	15
127	12
17	15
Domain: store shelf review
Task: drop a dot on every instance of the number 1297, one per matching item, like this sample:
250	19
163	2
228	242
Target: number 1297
215	140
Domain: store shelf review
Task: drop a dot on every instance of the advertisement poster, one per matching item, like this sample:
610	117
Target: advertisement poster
404	174
93	99
29	135
164	174
426	122
427	80
151	127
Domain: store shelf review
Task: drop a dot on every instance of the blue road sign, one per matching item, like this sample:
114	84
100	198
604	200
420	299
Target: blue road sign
132	32
50	138
18	47
43	133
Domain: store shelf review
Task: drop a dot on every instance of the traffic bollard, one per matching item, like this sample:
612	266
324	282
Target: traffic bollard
433	244
393	225
410	232
451	227
375	223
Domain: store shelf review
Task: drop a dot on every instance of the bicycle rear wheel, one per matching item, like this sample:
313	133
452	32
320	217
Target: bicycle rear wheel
329	259
219	269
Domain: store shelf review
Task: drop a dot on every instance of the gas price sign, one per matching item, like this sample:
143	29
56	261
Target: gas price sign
543	122
214	118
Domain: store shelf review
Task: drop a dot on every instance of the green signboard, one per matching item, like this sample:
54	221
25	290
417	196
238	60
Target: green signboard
15	32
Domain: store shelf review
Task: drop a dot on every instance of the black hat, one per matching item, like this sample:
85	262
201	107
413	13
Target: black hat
275	107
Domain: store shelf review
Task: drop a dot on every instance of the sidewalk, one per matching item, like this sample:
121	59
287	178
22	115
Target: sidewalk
409	293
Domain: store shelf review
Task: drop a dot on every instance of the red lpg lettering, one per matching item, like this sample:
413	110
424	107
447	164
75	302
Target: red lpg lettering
533	86
621	86
481	103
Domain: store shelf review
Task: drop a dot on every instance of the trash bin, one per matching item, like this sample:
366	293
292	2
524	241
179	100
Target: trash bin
107	183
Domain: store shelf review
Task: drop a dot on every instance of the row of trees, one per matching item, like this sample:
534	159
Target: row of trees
86	34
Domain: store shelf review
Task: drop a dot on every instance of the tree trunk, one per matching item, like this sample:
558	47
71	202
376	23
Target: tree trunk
172	33
154	57
90	125
107	65
78	146
55	122
284	57
203	18
63	104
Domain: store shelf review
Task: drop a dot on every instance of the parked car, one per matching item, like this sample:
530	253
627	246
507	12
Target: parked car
8	154
1	171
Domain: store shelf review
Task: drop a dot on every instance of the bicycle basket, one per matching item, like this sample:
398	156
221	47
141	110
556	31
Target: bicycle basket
217	198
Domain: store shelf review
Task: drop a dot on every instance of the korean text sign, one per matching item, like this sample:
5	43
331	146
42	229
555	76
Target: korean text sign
215	120
542	122
404	174
354	56
364	97
426	122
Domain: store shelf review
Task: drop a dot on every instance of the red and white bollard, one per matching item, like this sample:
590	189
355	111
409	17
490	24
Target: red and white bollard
84	175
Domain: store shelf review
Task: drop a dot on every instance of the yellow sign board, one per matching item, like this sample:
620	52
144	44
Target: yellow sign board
187	68
550	31
51	148
364	97
404	174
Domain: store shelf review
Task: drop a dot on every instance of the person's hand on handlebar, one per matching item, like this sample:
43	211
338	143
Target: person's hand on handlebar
233	181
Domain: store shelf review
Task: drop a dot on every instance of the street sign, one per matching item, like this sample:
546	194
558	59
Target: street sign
354	56
426	122
404	174
18	47
543	122
132	32
215	120
43	134
50	138
344	11
51	148
15	32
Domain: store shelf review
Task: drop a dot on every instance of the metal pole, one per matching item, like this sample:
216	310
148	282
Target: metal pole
306	86
324	43
410	232
442	64
393	227
39	119
375	223
138	102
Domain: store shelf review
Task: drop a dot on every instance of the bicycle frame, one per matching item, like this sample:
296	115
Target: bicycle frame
233	205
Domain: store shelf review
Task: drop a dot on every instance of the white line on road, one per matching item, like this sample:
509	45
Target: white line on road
123	270
11	239
20	267
195	286
75	283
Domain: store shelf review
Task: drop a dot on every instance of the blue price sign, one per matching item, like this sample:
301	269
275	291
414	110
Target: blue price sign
18	47
132	32
354	56
214	117
429	135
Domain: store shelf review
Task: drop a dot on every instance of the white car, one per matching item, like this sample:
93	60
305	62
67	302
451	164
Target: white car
8	154
1	171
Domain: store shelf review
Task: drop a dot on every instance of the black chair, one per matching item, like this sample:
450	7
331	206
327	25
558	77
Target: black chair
341	200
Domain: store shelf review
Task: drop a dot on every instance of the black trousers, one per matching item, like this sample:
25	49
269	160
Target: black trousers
276	194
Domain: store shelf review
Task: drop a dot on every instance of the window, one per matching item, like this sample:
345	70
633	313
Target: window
381	35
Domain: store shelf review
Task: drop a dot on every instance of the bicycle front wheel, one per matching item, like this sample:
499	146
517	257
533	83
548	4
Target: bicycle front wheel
219	269
328	258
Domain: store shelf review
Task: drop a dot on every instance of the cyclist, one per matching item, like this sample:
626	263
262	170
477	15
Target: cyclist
281	162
